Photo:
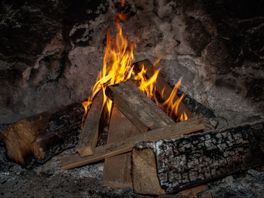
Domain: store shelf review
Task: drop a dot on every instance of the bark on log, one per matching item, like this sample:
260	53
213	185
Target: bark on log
113	149
90	131
117	169
199	158
139	109
145	177
161	85
39	138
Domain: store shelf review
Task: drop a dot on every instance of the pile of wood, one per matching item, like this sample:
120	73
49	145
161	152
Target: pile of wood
146	150
149	152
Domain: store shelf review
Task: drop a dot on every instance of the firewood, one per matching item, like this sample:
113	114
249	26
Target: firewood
90	130
145	178
113	149
117	169
199	158
144	172
137	107
161	84
36	139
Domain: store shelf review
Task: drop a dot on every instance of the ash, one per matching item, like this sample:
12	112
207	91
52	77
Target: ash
50	180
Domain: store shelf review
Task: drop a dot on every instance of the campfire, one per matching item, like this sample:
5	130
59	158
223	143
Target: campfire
134	99
118	68
152	137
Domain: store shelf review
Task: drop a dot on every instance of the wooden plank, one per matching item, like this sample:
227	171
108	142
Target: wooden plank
117	169
113	149
89	132
161	84
199	158
144	172
137	107
40	137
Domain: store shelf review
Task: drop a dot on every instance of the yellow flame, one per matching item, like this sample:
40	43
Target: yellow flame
117	68
147	85
118	57
172	103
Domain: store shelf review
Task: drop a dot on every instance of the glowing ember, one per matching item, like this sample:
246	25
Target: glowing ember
117	68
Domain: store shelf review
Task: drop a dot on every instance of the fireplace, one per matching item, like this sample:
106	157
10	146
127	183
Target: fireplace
56	82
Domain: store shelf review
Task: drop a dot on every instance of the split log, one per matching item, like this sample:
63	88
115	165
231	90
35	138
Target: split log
39	138
161	85
144	173
199	158
90	131
137	107
145	178
117	169
113	149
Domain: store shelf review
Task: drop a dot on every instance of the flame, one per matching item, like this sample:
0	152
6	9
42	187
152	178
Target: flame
118	57
117	68
147	86
172	103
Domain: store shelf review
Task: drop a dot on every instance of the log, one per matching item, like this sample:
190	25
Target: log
161	84
117	169
199	158
145	178
144	172
137	107
90	131
113	149
36	139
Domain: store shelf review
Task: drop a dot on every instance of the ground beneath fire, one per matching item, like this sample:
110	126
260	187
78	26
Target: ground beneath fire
49	180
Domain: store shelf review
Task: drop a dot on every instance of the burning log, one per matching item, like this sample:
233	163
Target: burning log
141	111
43	136
163	89
90	130
117	169
199	158
116	148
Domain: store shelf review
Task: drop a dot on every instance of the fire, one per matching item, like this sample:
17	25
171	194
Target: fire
117	68
118	57
172	103
146	85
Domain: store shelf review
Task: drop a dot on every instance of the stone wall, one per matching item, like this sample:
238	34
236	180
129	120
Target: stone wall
51	52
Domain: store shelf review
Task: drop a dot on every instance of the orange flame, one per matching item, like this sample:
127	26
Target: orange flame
147	86
118	58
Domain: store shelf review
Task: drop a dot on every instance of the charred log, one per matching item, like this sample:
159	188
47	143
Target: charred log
36	139
199	158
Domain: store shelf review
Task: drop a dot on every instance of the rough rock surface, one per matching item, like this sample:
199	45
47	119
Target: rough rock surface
51	52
